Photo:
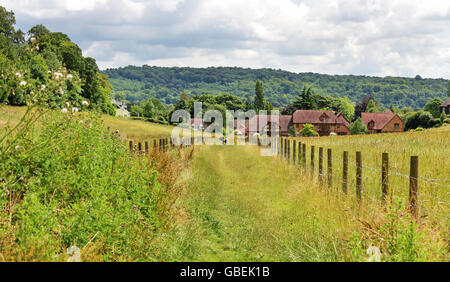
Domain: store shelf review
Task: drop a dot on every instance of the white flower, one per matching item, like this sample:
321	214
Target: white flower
18	74
60	91
33	39
23	83
64	110
74	110
57	75
69	76
374	253
42	87
67	104
85	103
17	147
81	121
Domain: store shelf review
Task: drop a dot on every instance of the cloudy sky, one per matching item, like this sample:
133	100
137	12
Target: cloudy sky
386	37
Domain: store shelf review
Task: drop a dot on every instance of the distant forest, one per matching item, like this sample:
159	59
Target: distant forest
136	84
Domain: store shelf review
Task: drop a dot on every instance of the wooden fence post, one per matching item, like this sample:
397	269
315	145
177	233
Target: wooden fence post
312	161
289	151
413	186
285	148
345	172
154	144
130	144
358	175
330	168
146	146
281	147
320	164
299	157
384	177
304	154
294	152
139	147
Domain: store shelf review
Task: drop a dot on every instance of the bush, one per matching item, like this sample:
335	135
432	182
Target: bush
74	183
418	119
308	130
358	127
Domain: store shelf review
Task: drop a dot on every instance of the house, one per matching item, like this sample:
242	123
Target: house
445	107
121	108
383	122
264	124
324	122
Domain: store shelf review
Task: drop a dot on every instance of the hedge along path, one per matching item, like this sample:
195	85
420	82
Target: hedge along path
253	208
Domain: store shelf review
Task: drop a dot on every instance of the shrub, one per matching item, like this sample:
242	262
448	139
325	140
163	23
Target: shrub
358	127
418	119
308	130
73	183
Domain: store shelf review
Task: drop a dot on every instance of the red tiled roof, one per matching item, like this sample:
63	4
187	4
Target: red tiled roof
446	103
341	119
260	121
379	119
317	117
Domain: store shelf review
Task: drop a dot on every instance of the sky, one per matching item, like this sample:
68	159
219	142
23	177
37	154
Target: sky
376	38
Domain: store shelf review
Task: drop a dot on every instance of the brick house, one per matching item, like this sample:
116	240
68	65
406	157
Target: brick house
383	122
262	124
445	107
324	122
198	124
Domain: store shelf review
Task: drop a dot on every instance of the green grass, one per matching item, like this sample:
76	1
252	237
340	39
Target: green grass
248	208
431	146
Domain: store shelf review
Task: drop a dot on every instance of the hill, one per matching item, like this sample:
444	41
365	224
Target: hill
135	84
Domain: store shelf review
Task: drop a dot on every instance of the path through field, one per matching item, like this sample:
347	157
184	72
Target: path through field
252	208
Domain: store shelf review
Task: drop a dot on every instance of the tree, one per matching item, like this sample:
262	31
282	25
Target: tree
259	96
418	119
358	127
442	117
448	88
434	107
372	107
305	100
346	108
308	130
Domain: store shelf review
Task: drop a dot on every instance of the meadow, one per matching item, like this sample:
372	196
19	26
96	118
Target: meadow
71	181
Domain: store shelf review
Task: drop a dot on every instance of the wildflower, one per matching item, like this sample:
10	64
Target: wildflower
117	131
81	121
69	76
18	74
374	253
57	75
85	103
74	110
42	87
33	39
67	104
60	91
23	83
17	147
64	110
31	93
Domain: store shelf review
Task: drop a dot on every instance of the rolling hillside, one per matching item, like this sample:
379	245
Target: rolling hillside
136	84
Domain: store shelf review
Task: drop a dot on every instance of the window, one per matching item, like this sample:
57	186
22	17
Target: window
371	124
396	126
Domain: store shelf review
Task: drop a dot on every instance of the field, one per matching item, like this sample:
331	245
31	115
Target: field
129	129
214	203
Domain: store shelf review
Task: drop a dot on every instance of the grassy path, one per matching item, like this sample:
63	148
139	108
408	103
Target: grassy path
250	208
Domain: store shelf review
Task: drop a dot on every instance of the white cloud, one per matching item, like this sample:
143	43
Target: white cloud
373	37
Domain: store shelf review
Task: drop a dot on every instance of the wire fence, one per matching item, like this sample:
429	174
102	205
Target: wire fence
374	184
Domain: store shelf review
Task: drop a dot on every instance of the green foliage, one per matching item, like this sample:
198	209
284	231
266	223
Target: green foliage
259	96
434	107
358	127
308	130
418	119
43	60
73	182
372	107
280	87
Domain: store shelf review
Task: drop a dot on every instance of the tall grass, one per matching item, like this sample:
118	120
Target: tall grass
72	183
